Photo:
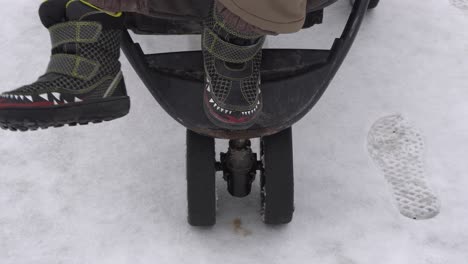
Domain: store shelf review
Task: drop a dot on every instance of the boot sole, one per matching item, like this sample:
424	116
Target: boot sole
209	112
83	113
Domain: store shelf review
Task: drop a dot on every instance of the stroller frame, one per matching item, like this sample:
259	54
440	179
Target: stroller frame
293	81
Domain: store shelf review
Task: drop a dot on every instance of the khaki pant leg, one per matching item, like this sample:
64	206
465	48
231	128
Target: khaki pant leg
280	16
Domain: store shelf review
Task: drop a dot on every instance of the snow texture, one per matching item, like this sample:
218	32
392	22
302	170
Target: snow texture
398	150
462	4
115	193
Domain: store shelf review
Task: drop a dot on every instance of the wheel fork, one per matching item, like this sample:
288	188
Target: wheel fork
239	165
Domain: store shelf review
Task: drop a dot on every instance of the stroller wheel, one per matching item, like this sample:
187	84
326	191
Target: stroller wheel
201	172
277	178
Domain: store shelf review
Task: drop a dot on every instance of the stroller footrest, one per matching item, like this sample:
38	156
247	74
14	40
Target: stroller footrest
277	64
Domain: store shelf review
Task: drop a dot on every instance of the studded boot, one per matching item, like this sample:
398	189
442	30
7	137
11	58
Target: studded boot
83	82
232	59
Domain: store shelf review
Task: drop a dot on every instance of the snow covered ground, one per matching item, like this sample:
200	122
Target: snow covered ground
115	193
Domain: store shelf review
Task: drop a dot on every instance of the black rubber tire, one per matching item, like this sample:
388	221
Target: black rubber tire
201	180
373	4
277	178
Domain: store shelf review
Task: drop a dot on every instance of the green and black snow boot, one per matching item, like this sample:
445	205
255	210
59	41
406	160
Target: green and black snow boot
232	60
83	82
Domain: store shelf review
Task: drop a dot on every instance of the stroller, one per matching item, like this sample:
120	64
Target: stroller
293	82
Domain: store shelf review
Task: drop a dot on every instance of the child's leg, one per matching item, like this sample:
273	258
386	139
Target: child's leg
233	36
278	16
273	16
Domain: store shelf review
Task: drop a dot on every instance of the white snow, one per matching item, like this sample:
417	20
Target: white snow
115	193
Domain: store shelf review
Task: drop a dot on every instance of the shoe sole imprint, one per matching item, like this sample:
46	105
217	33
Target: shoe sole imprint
398	150
83	113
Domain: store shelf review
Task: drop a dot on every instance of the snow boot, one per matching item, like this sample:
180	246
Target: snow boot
232	59
83	82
